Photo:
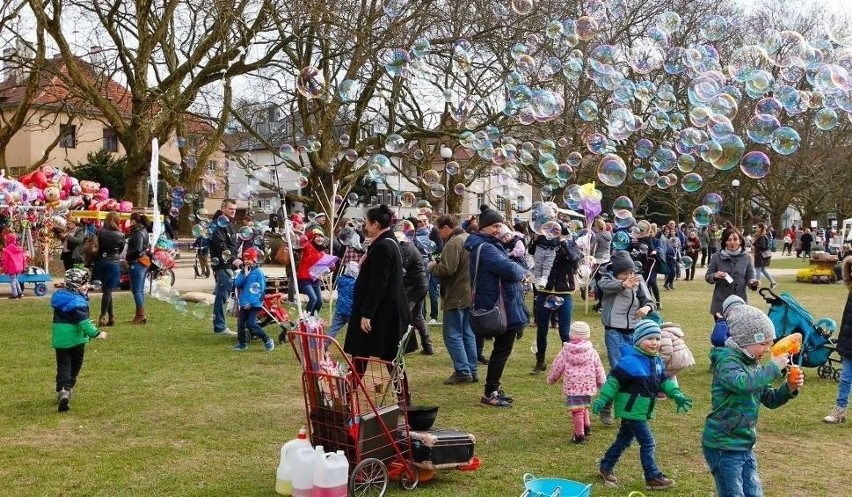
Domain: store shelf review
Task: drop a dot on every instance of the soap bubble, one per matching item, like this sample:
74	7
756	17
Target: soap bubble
760	128
685	163
588	110
713	28
393	8
421	47
691	182
712	201
437	190
394	143
625	223
348	90
459	189
395	61
254	288
407	199
825	119
551	230
710	151
686	262
644	148
197	230
223	221
452	168
553	302
612	171
200	309
522	7
732	151
586	28
574	159
622	203
785	140
621	240
651	177
310	83
755	165
245	233
702	215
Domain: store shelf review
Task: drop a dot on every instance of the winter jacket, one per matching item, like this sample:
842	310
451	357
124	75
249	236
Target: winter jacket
71	323
496	269
14	259
673	349
760	245
635	382
619	305
345	292
844	338
579	365
560	280
414	277
603	246
454	271
251	295
310	256
704	238
741	270
137	243
739	386
110	244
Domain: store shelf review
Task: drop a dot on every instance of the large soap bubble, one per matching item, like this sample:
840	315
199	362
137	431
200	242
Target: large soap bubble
755	164
611	170
310	83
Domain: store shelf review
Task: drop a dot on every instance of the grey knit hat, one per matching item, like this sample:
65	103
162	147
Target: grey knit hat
621	262
730	303
488	217
749	325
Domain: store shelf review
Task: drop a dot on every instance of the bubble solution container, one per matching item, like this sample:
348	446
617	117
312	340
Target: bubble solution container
554	487
303	470
331	474
284	475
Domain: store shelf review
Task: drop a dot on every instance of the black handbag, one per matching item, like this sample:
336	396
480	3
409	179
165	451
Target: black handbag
487	323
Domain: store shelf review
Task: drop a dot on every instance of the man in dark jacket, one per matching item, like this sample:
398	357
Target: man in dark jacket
415	281
496	271
223	250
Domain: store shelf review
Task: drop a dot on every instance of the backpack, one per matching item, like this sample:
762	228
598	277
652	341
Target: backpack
91	247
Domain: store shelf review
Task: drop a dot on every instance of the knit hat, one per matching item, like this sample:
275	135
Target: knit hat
580	330
488	217
645	329
750	325
730	303
505	230
620	262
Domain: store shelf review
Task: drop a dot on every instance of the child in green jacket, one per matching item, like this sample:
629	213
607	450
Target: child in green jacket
72	330
633	386
740	384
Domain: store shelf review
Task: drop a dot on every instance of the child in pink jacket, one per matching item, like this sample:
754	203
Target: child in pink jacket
579	365
14	261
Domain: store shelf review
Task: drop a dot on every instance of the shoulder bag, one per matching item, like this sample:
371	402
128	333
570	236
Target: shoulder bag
487	323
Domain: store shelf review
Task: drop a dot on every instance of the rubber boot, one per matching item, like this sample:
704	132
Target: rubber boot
140	317
539	364
426	342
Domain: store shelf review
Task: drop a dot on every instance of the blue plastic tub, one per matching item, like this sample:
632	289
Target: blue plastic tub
554	487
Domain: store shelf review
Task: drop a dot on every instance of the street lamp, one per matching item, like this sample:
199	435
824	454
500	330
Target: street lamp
446	154
736	184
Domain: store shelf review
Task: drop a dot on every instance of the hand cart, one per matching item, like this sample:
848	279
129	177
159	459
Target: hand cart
356	405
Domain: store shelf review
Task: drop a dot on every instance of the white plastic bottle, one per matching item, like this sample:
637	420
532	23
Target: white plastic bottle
303	470
284	475
331	474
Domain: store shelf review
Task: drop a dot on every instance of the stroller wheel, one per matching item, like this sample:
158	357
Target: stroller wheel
836	375
824	371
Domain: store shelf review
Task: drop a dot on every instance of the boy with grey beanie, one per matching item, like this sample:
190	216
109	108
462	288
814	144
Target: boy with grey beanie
740	385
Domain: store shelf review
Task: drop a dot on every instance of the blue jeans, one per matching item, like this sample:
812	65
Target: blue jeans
641	431
614	341
765	272
224	287
14	286
433	297
247	322
338	322
311	288
542	320
845	382
137	283
459	340
734	472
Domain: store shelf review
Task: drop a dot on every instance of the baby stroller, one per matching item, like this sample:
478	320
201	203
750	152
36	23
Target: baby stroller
789	317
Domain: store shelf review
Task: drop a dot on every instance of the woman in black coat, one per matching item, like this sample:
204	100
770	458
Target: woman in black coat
107	269
379	308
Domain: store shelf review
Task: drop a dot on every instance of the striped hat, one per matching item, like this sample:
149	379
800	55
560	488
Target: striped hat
645	328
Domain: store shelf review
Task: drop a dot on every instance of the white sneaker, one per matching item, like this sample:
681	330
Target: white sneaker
226	333
434	321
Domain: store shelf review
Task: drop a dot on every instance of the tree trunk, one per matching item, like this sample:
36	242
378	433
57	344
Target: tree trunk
136	176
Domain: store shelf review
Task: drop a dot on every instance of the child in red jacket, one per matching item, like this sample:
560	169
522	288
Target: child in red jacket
579	365
14	262
313	248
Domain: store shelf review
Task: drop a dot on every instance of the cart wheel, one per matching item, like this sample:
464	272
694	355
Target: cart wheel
406	482
369	478
40	290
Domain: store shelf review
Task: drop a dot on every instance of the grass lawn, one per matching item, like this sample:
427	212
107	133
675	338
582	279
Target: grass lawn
169	409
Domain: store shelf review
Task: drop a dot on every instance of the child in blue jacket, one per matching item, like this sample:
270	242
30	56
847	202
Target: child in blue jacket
345	294
250	285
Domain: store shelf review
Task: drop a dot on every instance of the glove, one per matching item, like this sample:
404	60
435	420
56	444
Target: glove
684	403
598	406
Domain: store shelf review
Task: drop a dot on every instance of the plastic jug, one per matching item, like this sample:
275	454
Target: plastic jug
303	470
284	475
331	475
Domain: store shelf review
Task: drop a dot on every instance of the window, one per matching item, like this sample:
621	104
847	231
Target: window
110	140
480	200
67	136
500	203
211	166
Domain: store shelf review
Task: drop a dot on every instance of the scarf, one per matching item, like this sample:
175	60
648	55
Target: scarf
728	253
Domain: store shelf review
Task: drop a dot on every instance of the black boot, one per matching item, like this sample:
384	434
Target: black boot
539	364
426	342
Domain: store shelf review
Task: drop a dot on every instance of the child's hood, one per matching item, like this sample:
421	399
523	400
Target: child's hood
11	239
65	301
579	352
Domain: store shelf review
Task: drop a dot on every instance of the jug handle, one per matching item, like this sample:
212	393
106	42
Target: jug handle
528	477
556	492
